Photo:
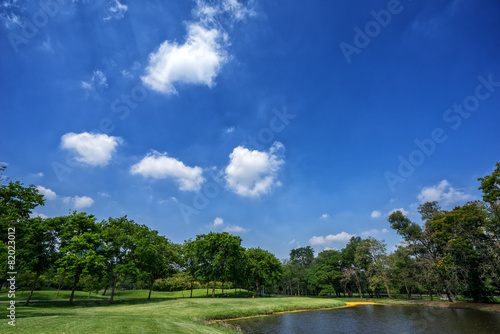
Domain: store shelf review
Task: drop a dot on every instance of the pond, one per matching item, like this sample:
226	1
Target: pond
376	319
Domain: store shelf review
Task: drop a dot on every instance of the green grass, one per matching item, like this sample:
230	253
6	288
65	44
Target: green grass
50	294
182	315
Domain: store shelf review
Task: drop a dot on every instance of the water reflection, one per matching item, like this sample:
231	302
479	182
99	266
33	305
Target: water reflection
376	319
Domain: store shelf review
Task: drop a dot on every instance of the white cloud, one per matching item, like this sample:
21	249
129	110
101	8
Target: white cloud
235	229
103	194
376	214
339	237
47	193
93	149
78	202
291	242
403	211
329	248
218	221
160	166
443	193
325	215
253	173
116	11
197	61
98	80
230	130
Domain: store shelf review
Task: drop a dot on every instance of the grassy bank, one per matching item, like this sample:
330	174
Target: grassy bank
157	316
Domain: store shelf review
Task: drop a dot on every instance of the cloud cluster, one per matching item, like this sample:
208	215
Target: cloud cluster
116	11
253	173
339	237
79	202
92	149
199	59
376	214
403	211
47	193
160	166
98	80
219	223
443	193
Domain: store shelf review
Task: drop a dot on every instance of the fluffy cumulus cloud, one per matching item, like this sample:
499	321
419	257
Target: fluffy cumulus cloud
376	214
199	59
339	237
325	216
116	11
47	193
79	202
254	173
443	193
92	149
160	166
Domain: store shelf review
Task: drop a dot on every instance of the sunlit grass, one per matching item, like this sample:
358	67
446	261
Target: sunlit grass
182	315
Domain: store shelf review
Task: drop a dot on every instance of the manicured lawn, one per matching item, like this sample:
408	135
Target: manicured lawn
181	315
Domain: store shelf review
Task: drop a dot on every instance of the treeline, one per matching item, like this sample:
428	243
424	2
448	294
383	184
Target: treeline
453	252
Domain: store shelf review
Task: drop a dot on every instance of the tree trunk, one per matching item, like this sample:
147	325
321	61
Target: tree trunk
105	289
115	280
248	288
60	285
451	296
430	293
213	290
258	288
208	284
77	278
32	288
150	288
191	296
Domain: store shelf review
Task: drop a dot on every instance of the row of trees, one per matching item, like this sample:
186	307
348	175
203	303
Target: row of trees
456	252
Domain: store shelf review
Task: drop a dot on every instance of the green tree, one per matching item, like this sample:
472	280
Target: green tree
263	267
16	204
325	273
37	249
216	256
82	248
120	241
155	256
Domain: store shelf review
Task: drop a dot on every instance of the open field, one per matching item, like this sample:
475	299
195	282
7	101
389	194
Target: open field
171	315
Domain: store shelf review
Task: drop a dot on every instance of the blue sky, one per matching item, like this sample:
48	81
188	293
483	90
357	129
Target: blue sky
286	123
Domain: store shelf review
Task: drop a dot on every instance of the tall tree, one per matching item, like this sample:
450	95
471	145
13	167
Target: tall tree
217	256
81	246
263	267
155	256
120	241
38	247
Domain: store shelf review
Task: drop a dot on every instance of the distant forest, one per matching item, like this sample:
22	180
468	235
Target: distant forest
455	253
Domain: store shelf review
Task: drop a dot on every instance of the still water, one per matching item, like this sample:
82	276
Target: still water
376	319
